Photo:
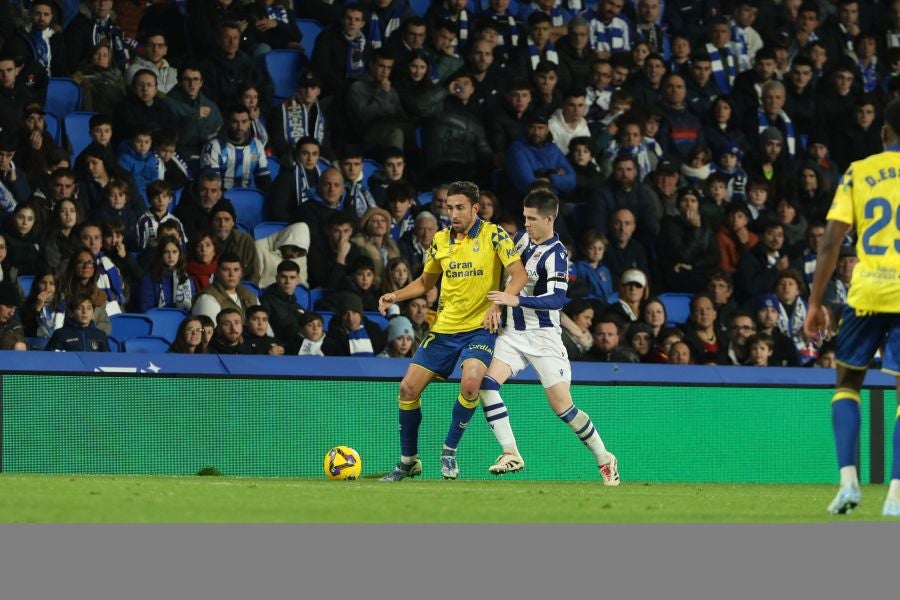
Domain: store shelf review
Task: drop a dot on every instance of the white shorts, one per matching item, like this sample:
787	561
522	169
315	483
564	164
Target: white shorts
544	350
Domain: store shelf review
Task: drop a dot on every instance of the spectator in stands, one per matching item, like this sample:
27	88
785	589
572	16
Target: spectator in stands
591	269
575	320
40	42
297	184
359	197
835	99
607	331
681	129
12	177
860	137
291	243
273	21
771	113
745	95
137	158
399	339
455	146
414	244
391	169
535	156
79	334
767	316
374	108
115	205
142	109
568	122
839	31
101	81
654	315
768	163
509	121
166	284
203	259
547	96
81	277
633	290
159	195
229	67
455	14
401	200
226	290
300	116
229	336
330	198
248	95
197	118
95	168
114	250
233	240
787	212
58	243
281	304
639	338
341	52
800	95
89	28
13	95
790	289
687	248
708	345
312	340
722	129
720	288
189	338
624	252
374	240
762	348
256	333
740	328
22	240
206	17
174	170
351	331
36	145
623	190
838	287
237	157
7	271
397	275
575	55
43	311
196	203
333	251
647	84
12	334
155	48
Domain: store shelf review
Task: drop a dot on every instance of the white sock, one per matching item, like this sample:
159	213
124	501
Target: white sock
581	424
409	460
498	418
849	476
894	490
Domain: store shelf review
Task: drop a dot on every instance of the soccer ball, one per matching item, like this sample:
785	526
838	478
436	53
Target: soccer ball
342	462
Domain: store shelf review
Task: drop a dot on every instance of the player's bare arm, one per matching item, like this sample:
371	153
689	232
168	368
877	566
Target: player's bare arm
518	279
416	288
817	317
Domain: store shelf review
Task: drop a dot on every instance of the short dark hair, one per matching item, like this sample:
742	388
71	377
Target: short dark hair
400	190
228	310
287	265
155	188
236	109
351	151
256	308
230	257
467	189
545	201
98	120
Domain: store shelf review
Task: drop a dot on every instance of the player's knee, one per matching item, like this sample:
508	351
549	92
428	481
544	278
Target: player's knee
408	391
469	387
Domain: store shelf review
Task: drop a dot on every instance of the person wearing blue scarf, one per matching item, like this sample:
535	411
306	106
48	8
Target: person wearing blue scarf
39	42
385	18
94	24
610	33
722	56
454	11
340	53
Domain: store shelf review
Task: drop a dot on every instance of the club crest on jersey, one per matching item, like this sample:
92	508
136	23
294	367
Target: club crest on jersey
476	247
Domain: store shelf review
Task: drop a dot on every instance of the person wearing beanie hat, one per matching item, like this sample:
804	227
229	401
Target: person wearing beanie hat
400	339
12	335
224	220
350	330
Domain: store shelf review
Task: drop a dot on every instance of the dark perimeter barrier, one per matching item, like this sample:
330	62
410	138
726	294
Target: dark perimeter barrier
277	416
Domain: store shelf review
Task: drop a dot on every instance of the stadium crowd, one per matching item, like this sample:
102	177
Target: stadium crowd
695	146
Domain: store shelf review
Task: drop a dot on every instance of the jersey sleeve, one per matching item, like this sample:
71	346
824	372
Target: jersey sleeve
431	263
842	205
503	246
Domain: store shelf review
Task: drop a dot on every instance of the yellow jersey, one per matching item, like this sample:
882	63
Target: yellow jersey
471	268
868	199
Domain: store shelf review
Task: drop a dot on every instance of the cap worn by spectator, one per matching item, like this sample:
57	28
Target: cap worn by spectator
346	301
309	79
34	108
634	276
666	166
771	133
538	116
399	327
767	301
9	295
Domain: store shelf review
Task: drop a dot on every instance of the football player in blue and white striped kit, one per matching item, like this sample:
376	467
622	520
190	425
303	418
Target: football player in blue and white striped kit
532	335
238	157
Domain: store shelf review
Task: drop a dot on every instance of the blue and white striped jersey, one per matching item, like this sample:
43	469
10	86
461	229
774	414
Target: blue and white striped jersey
238	165
548	279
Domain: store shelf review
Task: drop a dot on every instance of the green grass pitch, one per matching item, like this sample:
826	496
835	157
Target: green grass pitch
151	499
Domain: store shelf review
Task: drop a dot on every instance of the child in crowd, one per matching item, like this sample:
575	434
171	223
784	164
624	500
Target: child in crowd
698	166
728	162
393	168
762	347
312	337
79	333
591	270
400	339
115	205
757	201
173	169
256	336
401	202
361	282
358	198
138	159
159	195
715	200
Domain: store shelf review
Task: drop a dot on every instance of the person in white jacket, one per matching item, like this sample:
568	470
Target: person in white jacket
292	243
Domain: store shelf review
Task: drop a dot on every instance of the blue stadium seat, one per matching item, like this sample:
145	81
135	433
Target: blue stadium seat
76	126
63	97
326	318
126	326
51	122
267	228
369	167
176	196
316	294
25	282
310	30
166	322
149	344
244	228
254	289
425	198
420	7
612	298
302	296
36	343
378	319
274	166
248	204
678	307
285	67
324	164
